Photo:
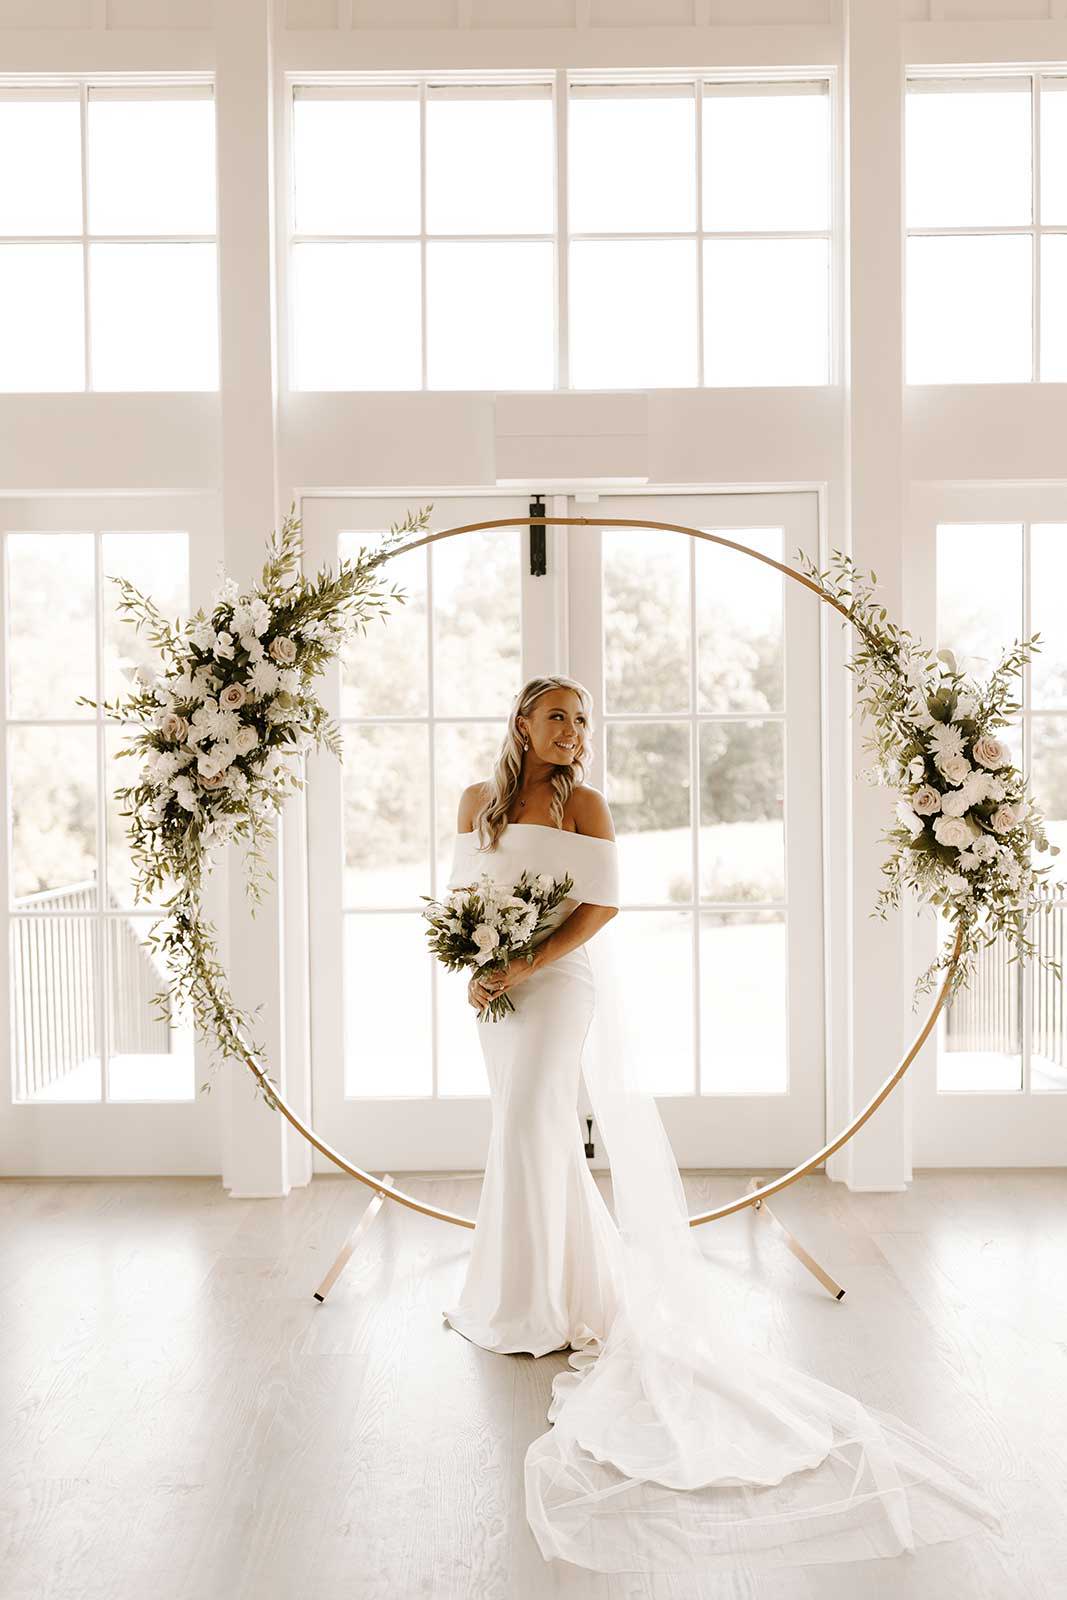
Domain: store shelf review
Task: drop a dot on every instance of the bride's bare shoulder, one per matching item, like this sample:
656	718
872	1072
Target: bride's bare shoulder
469	802
591	812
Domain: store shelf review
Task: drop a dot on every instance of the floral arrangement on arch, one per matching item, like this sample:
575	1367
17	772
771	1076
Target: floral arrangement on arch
966	825
226	722
224	727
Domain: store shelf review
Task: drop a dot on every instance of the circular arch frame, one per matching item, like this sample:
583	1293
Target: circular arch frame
756	1195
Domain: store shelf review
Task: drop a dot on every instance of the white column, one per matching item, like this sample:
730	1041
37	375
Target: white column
879	1157
255	1146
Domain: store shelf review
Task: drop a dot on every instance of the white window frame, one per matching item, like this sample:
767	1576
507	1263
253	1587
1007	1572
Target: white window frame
1035	229
182	85
560	83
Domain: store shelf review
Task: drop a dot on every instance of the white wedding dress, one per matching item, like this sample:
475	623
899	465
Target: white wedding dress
675	1444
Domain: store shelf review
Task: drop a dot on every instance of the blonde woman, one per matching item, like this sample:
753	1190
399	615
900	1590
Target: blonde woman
677	1444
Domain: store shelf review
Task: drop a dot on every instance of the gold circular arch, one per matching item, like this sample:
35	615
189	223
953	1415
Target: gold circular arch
756	1195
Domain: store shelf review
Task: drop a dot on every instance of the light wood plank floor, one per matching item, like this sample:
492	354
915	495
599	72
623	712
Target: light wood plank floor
181	1420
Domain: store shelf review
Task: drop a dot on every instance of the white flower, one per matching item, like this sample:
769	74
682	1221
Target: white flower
986	847
926	800
253	646
203	636
944	739
953	767
259	612
957	831
990	752
223	646
1004	818
967	861
263	678
916	769
289	680
956	803
246	740
995	788
918	711
233	696
966	705
955	883
906	815
487	939
282	650
173	727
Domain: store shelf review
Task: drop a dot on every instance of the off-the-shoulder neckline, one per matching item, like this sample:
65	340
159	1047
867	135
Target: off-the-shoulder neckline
546	827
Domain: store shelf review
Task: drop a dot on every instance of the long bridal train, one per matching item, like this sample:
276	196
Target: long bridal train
674	1444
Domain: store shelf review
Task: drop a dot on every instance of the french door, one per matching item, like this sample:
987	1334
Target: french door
97	1081
704	668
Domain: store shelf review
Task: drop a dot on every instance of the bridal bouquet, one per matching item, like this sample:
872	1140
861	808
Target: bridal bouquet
223	728
483	926
966	824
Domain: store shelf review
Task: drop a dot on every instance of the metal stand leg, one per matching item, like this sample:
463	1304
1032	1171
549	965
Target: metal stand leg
828	1283
351	1242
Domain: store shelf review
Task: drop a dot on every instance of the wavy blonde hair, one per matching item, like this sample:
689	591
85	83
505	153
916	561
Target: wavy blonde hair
491	817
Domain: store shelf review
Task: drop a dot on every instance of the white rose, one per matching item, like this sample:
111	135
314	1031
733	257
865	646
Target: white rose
990	752
246	740
203	636
986	847
1004	818
224	645
259	611
953	767
954	831
233	696
926	800
955	883
253	646
283	650
966	705
916	769
486	939
957	803
173	726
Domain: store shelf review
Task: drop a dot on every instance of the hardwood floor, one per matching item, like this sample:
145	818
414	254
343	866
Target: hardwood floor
181	1420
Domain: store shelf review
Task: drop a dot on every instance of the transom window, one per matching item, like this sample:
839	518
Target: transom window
108	269
560	231
986	213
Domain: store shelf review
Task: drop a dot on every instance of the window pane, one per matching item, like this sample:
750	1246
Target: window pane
151	165
460	1063
633	315
490	316
55	1023
158	565
967	152
969	310
120	773
52	778
150	1058
489	165
387	1006
154	316
1048	586
979	1034
42	318
646	620
1048	1028
1054	150
740	642
766	311
465	753
743	996
477	623
356	316
766	159
1054	308
355	165
51	653
656	962
742	811
648	791
979	592
386	799
40	166
632	161
1049	785
383	671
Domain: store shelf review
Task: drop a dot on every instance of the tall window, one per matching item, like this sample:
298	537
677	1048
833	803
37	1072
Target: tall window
997	582
986	212
440	242
108	270
82	975
424	702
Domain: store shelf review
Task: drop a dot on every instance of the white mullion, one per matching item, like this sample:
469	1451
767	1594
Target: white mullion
696	986
1035	265
563	342
422	228
701	378
1026	974
103	964
87	348
431	734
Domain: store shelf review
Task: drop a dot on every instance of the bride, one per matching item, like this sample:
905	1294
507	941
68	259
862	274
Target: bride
675	1443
